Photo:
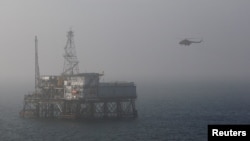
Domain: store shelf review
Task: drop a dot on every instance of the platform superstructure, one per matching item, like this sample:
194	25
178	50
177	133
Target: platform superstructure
77	95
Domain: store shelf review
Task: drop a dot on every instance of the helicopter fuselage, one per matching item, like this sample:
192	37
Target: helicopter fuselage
187	42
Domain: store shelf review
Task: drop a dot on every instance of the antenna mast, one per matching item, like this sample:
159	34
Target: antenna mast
70	59
37	73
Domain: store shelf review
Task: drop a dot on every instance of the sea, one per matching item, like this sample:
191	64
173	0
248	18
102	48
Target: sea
167	111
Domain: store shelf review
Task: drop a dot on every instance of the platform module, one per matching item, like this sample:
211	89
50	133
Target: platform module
77	95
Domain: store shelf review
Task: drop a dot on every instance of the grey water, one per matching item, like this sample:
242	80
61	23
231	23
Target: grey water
171	111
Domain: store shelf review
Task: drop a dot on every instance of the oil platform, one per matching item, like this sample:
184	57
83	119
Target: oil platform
74	95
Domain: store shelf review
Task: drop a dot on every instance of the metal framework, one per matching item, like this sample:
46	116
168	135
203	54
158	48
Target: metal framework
70	58
37	73
38	107
86	100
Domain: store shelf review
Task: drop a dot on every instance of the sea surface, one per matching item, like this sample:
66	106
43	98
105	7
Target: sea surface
171	111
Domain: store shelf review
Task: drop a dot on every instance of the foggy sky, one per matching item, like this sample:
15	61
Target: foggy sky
127	39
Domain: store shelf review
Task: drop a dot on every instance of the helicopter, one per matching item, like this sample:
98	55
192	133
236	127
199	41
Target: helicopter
187	42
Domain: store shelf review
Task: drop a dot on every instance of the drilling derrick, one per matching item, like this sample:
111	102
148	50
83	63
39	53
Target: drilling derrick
37	73
70	59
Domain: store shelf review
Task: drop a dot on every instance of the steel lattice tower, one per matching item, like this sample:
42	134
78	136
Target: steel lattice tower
37	73
70	59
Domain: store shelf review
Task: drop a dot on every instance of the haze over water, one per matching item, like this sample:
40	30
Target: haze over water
180	89
170	111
